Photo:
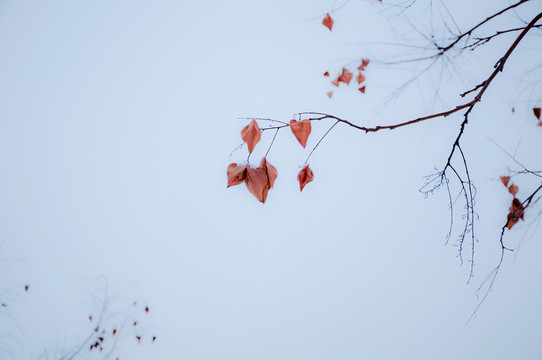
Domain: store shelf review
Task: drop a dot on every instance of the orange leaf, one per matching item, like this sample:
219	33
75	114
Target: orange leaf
335	82
513	189
251	134
362	89
326	74
329	94
505	180
536	112
345	77
516	213
301	130
304	177
236	174
360	78
257	183
364	63
328	22
270	172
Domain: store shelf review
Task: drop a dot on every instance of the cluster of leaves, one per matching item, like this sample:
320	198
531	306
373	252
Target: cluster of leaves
516	209
346	76
261	179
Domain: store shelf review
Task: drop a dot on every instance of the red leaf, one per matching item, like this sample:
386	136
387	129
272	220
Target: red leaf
270	172
328	22
257	183
360	78
335	82
364	63
114	331
539	124
304	177
345	77
138	339
153	338
251	134
329	94
513	189
362	89
301	130
135	323
516	213
505	180
536	112
90	317
26	287
326	74
146	309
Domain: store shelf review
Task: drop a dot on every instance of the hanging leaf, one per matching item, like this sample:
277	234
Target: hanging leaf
360	78
328	22
516	213
251	134
304	177
257	183
513	189
329	94
270	172
536	112
362	89
345	76
505	180
236	174
335	82
301	130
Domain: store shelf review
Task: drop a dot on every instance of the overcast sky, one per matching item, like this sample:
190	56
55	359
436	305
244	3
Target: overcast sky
117	120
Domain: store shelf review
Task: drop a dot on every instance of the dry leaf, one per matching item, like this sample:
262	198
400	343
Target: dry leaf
301	130
236	174
505	180
513	189
304	177
251	134
360	78
257	183
536	112
516	213
328	22
270	172
345	76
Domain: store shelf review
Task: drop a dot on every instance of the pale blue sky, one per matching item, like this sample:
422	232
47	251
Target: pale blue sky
117	119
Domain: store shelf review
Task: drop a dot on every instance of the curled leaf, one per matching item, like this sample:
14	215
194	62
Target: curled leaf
505	180
516	213
536	112
251	134
304	177
270	172
345	76
236	174
360	78
257	183
301	130
513	189
328	22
